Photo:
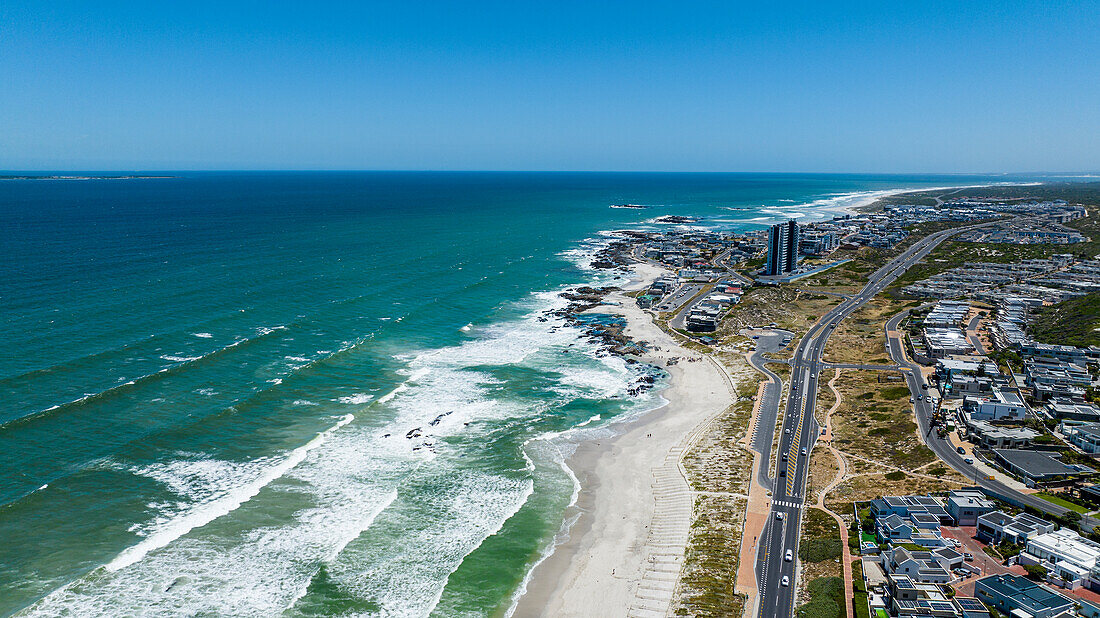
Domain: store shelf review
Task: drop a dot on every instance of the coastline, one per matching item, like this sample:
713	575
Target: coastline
624	550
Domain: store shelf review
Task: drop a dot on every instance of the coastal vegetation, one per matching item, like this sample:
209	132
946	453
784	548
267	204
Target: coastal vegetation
877	436
819	550
826	599
1070	322
718	471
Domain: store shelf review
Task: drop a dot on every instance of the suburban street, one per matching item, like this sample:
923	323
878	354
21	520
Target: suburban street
689	301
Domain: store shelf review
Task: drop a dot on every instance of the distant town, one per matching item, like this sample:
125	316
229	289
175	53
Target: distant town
958	334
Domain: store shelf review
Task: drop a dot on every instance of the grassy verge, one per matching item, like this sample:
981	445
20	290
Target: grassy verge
826	599
1062	502
859	596
819	551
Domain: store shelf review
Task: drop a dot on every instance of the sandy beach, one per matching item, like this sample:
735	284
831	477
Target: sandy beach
623	554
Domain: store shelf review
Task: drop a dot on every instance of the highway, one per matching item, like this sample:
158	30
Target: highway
800	432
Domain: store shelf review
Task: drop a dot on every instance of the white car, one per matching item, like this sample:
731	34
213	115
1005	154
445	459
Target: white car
786	581
788	556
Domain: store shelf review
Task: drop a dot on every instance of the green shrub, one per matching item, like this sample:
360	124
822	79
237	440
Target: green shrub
896	475
895	392
1035	572
826	599
819	549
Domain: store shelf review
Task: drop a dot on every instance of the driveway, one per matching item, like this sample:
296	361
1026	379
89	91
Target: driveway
982	560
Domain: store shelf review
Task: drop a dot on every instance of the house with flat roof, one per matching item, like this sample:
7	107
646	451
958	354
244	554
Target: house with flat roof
1070	559
997	526
965	505
999	405
1037	466
1017	596
1084	436
988	435
908	505
945	342
909	599
1067	409
947	313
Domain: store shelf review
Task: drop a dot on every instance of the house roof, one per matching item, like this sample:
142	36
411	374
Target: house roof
1037	463
1026	593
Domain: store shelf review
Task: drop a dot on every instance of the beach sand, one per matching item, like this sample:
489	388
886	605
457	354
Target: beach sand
624	552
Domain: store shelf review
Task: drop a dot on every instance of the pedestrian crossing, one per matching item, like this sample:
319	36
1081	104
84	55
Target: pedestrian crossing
792	505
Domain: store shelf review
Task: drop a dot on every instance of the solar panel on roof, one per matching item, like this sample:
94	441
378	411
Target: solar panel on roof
969	603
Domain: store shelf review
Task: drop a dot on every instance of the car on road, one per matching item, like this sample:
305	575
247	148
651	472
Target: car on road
788	556
784	457
960	450
786	581
783	472
968	460
813	375
910	400
969	557
779	516
803	451
924	386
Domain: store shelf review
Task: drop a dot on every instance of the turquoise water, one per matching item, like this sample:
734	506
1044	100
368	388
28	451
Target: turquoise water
314	393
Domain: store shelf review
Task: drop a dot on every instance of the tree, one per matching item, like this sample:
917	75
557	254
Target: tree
1070	519
1035	572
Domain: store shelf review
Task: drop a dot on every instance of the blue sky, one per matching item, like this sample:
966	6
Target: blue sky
723	86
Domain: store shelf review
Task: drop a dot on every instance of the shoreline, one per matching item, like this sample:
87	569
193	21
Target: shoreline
622	542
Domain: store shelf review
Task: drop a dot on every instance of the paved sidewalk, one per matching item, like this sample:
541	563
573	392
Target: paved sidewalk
756	515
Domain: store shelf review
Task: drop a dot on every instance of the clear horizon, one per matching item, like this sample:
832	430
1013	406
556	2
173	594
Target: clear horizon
944	87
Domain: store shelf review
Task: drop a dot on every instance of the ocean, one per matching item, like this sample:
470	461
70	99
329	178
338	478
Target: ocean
317	394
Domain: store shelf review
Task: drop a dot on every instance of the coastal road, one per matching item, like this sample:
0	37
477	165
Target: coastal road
800	431
943	447
767	341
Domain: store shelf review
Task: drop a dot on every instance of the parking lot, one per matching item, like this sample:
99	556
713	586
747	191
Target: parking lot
982	560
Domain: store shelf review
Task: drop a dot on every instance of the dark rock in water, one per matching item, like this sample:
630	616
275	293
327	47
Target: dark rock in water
385	435
413	433
439	418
